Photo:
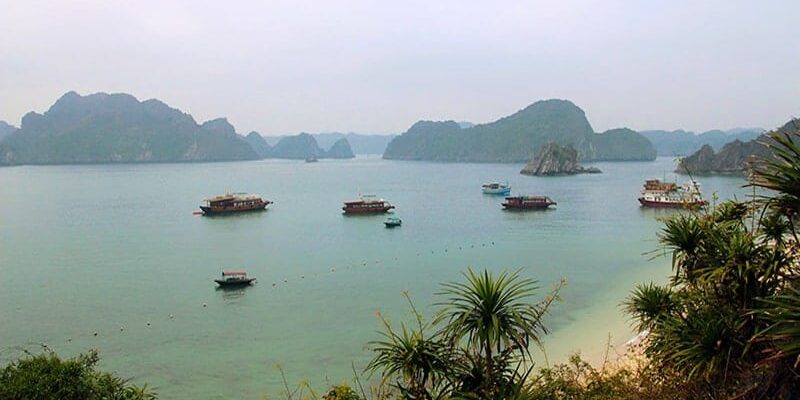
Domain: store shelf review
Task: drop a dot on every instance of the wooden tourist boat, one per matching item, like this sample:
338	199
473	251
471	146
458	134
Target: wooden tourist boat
233	203
367	204
528	203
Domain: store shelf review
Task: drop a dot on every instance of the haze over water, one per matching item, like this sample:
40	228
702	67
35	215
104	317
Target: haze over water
98	248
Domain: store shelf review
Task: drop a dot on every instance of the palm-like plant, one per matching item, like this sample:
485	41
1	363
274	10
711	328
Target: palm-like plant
494	315
421	362
648	304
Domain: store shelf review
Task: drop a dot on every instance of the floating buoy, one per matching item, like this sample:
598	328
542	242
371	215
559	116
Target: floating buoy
121	329
285	280
333	269
148	323
302	277
204	304
273	284
95	334
69	340
171	316
44	345
492	243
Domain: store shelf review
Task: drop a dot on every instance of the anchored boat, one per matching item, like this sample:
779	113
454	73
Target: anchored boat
528	203
656	193
234	279
496	188
367	204
232	203
392	222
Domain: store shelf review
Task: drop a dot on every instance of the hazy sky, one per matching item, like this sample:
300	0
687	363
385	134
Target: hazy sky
374	66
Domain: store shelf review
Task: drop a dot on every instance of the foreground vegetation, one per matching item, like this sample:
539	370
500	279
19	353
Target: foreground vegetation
726	325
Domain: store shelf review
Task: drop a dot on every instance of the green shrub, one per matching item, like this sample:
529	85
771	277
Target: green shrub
48	377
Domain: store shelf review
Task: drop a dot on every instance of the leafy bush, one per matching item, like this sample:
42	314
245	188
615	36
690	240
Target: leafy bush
48	377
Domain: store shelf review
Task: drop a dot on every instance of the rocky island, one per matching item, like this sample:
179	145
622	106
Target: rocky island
553	159
518	137
681	143
118	128
299	147
736	157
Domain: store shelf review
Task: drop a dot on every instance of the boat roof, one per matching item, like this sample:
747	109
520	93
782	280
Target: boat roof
234	196
372	200
226	273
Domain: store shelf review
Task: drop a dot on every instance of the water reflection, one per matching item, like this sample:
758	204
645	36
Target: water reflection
231	294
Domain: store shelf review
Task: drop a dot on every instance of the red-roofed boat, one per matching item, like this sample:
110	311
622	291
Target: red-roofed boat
367	204
234	278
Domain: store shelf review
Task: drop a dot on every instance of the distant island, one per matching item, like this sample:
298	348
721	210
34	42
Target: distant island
733	158
360	143
517	138
681	143
299	147
553	159
118	128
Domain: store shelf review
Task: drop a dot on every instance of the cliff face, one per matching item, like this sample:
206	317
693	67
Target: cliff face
553	159
516	138
110	128
735	157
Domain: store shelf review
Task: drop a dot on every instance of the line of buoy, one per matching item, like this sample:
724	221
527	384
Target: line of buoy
274	284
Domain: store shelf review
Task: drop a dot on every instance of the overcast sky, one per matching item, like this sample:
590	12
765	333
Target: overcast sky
377	67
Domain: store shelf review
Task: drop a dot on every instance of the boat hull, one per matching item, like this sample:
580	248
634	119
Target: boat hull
542	206
210	210
503	192
365	210
671	204
391	224
237	283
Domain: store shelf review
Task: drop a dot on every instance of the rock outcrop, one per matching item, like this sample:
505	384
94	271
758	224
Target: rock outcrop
298	147
341	150
553	159
259	145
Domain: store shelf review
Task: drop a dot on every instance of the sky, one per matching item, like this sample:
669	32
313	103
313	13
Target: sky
282	67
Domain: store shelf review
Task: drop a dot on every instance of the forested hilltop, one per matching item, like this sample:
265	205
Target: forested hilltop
517	137
118	128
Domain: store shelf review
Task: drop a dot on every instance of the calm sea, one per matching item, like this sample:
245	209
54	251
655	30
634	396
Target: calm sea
115	250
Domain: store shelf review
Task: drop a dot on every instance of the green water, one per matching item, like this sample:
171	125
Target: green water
109	248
